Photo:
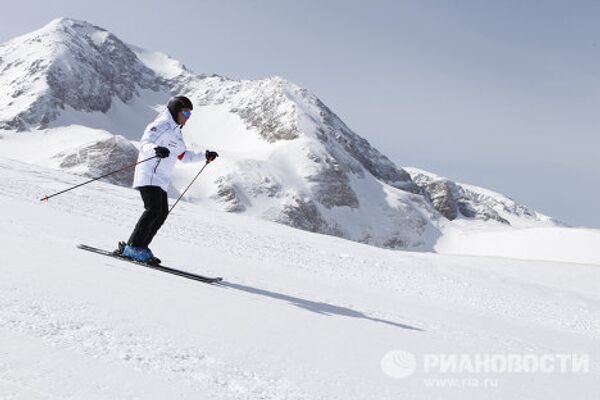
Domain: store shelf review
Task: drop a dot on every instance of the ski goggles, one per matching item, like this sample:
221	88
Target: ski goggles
187	114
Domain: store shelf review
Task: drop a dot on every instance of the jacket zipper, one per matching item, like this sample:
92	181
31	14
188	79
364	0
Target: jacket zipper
154	171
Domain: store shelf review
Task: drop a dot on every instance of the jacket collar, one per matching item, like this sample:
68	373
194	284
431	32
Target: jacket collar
171	121
169	118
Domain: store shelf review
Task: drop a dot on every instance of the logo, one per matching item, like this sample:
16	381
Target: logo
398	364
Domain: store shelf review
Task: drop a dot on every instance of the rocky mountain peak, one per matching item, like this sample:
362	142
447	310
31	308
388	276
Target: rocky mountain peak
67	63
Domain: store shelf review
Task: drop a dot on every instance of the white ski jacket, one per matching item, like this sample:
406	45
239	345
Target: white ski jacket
163	131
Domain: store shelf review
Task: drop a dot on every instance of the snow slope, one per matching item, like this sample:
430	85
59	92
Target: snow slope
77	149
301	315
579	245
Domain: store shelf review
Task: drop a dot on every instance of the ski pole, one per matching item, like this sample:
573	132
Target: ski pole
186	189
95	179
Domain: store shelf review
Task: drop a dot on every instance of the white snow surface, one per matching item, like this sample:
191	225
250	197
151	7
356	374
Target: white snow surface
299	316
42	147
578	245
160	63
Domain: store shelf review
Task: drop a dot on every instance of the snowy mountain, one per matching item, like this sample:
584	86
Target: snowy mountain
288	158
285	156
454	199
68	64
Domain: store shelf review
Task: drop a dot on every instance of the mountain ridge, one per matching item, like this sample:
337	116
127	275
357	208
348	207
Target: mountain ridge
286	156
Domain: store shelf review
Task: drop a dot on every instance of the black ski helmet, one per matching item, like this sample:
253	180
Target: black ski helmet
177	104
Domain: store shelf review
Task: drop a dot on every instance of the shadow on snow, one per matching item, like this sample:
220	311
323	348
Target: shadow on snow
315	306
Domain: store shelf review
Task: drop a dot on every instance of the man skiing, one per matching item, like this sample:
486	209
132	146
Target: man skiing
162	138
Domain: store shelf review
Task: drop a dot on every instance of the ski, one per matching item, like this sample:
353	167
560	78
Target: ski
158	267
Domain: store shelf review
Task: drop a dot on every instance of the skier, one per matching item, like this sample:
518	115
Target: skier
163	138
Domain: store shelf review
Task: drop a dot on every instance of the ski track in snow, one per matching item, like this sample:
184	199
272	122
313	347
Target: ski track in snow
70	327
417	300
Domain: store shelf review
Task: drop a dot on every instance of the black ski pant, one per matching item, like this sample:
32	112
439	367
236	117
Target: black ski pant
156	210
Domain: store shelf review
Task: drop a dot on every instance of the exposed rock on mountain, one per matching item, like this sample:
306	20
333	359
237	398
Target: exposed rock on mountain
452	199
102	157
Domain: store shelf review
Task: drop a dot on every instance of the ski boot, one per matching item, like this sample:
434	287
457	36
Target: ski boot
153	259
136	253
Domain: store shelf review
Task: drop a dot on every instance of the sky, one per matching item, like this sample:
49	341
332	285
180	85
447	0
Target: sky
502	94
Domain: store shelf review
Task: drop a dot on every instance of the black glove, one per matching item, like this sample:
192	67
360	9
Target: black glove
162	152
211	155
